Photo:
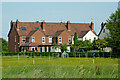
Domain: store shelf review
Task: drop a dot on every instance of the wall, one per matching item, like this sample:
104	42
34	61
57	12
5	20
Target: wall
90	35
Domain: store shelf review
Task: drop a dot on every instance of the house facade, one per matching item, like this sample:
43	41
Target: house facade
104	32
40	36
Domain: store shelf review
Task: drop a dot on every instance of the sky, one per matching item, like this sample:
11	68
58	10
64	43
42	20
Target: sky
75	12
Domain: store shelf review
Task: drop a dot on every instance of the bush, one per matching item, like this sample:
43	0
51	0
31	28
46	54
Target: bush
32	53
76	54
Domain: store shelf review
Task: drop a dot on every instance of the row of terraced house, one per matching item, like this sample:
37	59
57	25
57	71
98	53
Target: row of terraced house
40	36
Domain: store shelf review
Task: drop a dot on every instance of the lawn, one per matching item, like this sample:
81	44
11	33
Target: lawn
45	67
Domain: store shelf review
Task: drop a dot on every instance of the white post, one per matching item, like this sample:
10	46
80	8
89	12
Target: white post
33	61
93	61
18	56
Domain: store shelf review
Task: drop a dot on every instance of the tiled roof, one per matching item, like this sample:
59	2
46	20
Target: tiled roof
58	33
82	34
51	29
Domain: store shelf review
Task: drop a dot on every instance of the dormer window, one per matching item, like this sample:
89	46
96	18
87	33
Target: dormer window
37	28
23	28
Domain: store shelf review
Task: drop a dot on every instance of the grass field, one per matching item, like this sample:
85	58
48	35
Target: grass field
45	67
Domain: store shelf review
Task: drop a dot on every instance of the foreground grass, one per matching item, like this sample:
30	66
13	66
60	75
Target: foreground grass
46	67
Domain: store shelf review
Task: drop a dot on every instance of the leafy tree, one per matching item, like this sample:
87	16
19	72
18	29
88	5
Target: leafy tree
4	45
55	45
114	32
63	47
96	44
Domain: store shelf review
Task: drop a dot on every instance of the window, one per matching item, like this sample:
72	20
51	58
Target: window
23	38
15	38
43	39
15	48
23	28
60	39
94	37
37	28
69	39
103	30
33	39
50	39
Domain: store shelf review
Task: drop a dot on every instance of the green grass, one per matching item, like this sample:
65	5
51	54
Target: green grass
46	67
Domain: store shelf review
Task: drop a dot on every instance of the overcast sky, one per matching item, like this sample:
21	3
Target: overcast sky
75	12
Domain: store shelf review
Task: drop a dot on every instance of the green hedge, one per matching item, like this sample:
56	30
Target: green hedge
71	54
76	54
89	54
32	53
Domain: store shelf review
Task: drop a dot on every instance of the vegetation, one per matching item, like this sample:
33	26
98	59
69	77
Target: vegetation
23	67
62	47
114	32
98	44
4	45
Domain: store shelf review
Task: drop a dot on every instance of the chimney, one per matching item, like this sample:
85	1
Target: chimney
11	23
92	26
68	25
43	25
17	25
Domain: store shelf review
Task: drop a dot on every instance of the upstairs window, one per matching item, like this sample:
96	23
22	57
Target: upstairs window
23	38
43	39
69	39
37	28
33	39
15	38
50	39
60	39
23	28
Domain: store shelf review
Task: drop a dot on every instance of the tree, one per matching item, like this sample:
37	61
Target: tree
4	45
75	38
114	32
63	47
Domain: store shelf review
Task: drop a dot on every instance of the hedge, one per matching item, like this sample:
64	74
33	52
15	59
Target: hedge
71	54
32	53
89	54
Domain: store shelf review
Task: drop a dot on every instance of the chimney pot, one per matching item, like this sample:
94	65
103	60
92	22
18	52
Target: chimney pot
68	25
92	26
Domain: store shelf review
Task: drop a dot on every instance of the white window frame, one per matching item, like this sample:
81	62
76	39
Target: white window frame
43	40
59	40
33	40
50	39
15	38
69	40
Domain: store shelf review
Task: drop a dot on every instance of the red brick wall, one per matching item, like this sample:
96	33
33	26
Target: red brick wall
11	41
65	36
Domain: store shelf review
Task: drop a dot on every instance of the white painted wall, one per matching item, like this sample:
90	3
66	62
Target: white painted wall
102	35
88	36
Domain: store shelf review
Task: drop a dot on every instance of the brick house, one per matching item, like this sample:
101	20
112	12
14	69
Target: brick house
40	36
